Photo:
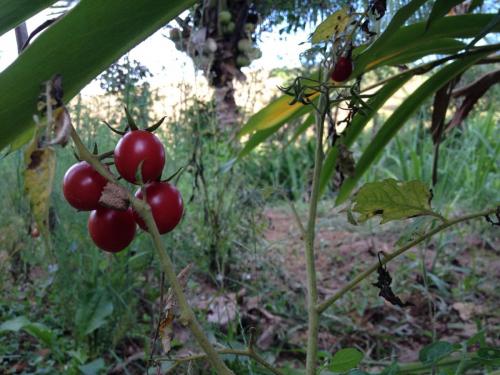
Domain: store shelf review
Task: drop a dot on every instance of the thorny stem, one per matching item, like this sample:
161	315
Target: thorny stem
187	316
312	290
329	301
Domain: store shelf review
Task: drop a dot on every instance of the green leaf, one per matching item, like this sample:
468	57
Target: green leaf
412	37
357	125
392	200
14	325
441	9
399	117
42	333
333	24
15	12
346	359
475	4
436	351
93	311
489	356
93	368
489	27
78	46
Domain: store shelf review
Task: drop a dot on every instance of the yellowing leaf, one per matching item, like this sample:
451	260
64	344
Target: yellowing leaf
40	166
335	23
392	200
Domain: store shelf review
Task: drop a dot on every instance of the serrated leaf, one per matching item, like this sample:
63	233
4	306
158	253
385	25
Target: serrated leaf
40	167
346	359
335	23
392	200
436	351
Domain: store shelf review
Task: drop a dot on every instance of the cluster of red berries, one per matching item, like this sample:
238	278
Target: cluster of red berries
111	229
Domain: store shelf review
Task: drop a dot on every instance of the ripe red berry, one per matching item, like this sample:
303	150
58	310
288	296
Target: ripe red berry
166	206
35	233
82	186
342	69
111	230
139	146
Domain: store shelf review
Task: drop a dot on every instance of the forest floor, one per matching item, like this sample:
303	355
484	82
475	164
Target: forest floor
459	298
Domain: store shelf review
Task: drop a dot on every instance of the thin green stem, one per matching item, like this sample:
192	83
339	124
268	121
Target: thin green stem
312	290
329	301
187	316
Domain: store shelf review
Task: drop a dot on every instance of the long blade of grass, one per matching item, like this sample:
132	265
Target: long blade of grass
13	12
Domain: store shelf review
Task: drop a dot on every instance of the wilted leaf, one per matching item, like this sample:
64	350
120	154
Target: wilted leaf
346	359
335	23
40	166
165	327
393	200
436	351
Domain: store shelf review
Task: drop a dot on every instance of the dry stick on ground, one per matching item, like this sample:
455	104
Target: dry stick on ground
329	301
187	316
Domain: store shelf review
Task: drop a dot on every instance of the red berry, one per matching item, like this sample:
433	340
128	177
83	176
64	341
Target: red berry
82	186
166	206
111	230
139	146
35	233
342	69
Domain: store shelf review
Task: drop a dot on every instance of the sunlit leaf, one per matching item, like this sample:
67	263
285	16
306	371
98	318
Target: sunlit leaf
335	23
392	200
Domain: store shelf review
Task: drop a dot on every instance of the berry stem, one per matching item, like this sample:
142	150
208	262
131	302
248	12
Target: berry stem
187	315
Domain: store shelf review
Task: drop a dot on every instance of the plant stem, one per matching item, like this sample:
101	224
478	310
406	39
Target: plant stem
312	291
250	353
329	301
187	316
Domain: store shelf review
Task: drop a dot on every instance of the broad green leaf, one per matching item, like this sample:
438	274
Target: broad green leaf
436	351
357	125
392	200
93	368
400	116
410	38
441	9
14	12
14	325
444	46
333	24
346	359
78	46
93	311
39	173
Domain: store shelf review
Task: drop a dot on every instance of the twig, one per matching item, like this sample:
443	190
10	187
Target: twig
329	301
